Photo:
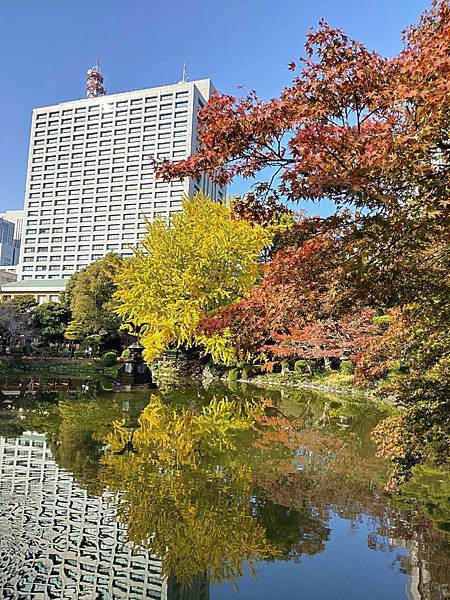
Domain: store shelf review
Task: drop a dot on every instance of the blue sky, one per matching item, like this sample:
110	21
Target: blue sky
47	45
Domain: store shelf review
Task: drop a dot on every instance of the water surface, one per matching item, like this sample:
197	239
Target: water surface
219	493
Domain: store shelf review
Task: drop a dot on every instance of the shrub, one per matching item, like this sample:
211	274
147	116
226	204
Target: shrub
347	367
16	351
126	355
301	366
109	359
92	341
233	374
79	354
247	372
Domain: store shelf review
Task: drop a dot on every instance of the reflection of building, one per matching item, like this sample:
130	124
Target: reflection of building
421	583
60	542
57	541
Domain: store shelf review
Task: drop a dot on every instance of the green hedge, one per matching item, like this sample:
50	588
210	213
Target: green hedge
109	359
301	366
347	367
233	374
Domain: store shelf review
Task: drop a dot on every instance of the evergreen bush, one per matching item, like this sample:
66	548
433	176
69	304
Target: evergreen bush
347	367
233	374
300	366
109	359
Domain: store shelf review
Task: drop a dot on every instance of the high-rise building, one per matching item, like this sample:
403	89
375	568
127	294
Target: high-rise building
90	180
6	243
16	218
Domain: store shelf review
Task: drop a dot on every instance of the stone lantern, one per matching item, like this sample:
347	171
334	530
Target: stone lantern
134	370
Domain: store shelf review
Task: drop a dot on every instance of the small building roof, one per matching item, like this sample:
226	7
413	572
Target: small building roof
34	285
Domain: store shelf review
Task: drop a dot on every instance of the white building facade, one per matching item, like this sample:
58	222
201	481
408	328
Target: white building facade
90	180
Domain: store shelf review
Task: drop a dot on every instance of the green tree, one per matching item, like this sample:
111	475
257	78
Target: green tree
88	294
16	320
51	320
187	269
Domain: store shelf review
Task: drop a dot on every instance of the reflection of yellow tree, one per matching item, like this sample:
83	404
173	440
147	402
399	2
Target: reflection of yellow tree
187	495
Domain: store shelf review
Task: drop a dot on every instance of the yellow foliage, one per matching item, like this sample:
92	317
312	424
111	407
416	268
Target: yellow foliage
183	495
187	269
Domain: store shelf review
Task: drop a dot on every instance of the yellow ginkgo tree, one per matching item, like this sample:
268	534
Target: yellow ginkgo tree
186	269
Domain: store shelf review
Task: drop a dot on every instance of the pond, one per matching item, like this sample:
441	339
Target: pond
216	493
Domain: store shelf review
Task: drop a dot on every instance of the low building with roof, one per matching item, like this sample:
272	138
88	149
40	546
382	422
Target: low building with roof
43	290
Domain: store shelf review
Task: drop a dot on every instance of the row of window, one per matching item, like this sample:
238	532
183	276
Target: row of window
98	217
87	202
95	108
176	145
132	156
150	115
90	177
92	120
105	148
41	136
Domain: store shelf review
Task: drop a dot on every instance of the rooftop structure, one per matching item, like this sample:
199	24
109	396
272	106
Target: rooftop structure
94	83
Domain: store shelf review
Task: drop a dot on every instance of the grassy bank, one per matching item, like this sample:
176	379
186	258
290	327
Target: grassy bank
53	366
332	381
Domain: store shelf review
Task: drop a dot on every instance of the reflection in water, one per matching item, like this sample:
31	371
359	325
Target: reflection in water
122	497
56	538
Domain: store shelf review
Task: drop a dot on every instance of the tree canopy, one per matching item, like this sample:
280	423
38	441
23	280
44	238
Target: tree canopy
369	133
51	320
88	294
187	268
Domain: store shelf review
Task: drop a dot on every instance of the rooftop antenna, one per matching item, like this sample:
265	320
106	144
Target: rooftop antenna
184	77
94	83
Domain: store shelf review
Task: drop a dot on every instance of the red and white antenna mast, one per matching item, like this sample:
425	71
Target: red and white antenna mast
94	83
